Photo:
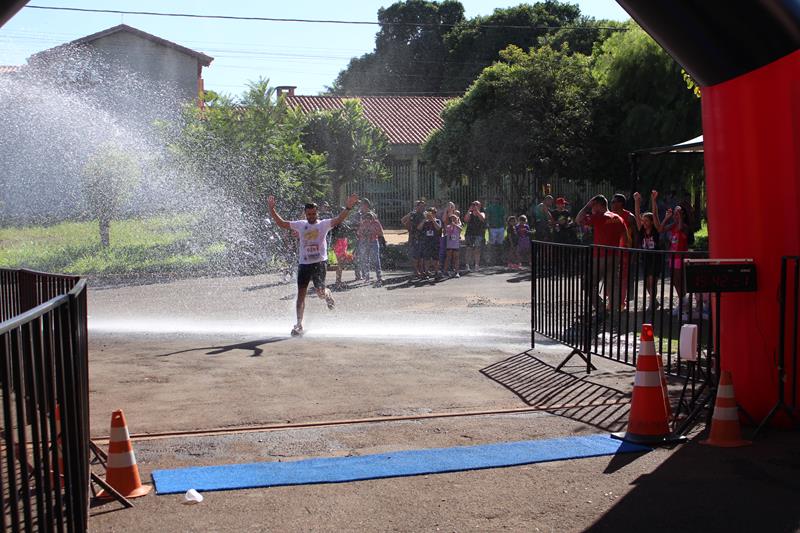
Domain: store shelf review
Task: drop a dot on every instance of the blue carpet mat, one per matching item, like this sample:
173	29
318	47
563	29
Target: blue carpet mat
403	463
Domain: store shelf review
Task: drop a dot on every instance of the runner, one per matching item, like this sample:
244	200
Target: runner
313	248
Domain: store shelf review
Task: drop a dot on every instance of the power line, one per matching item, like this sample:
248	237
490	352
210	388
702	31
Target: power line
318	21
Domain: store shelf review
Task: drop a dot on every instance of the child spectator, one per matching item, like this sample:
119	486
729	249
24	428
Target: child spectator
511	242
453	237
523	232
341	236
370	231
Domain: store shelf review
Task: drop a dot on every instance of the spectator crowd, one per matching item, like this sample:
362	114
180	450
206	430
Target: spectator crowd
444	242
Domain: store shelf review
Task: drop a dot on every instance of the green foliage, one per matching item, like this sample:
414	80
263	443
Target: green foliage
430	48
532	111
643	103
248	148
352	148
477	43
691	84
243	150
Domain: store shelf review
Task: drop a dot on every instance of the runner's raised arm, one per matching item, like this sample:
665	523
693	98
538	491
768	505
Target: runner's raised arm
349	203
275	216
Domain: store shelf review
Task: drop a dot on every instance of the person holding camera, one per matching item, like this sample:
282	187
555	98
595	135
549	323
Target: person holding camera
411	221
452	234
431	232
475	235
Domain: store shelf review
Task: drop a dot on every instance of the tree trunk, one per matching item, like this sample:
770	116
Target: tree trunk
105	239
337	194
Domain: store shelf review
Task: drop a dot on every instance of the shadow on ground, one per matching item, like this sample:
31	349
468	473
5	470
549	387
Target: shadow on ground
703	488
539	384
254	345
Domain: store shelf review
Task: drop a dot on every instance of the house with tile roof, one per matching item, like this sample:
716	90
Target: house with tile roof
407	121
148	57
9	69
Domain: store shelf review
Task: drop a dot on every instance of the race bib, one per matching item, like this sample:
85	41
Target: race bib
312	251
429	233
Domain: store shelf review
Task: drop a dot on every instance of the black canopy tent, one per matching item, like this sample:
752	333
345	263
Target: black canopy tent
692	146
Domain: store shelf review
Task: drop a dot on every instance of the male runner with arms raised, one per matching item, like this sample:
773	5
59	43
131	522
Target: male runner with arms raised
313	256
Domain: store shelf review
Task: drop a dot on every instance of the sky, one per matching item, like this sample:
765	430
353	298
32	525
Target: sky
307	55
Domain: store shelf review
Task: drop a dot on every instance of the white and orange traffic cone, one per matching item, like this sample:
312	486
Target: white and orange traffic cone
122	473
648	421
725	429
648	347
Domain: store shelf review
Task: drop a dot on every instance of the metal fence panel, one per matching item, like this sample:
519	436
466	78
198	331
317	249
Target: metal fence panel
44	471
594	299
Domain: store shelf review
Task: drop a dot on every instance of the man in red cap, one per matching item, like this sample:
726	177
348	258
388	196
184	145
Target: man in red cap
563	229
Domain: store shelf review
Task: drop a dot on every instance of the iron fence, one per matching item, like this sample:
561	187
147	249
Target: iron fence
789	317
594	299
412	179
788	340
44	422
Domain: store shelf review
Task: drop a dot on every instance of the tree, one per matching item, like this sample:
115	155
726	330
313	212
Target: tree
109	177
353	148
643	103
430	48
241	150
410	52
476	44
532	111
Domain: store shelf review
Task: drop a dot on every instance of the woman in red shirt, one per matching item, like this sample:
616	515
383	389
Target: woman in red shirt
677	234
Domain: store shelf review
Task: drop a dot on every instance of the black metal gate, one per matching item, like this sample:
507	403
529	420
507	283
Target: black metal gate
594	299
44	420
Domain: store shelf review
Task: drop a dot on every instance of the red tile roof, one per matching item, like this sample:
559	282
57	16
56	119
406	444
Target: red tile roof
9	69
404	119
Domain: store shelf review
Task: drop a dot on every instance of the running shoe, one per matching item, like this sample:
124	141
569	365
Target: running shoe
330	301
297	330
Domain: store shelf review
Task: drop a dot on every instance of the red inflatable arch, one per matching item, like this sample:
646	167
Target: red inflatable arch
746	58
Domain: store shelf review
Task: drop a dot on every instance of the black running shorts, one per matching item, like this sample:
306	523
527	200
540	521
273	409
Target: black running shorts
313	272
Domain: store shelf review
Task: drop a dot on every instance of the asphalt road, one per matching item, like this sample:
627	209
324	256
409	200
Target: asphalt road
216	352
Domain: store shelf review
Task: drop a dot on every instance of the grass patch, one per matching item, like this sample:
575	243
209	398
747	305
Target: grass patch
155	244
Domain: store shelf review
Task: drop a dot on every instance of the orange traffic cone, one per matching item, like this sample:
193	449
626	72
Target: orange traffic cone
648	347
725	430
121	470
648	422
59	474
